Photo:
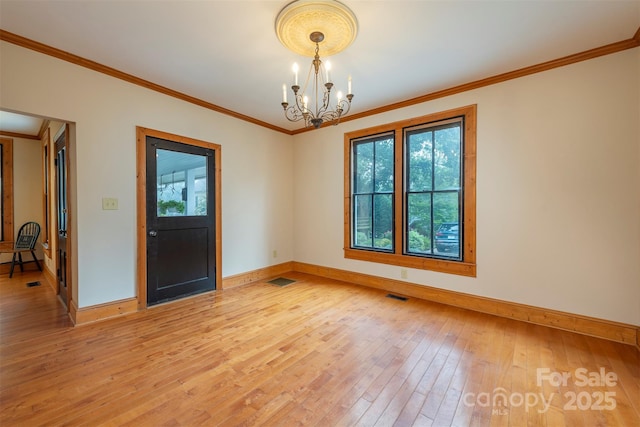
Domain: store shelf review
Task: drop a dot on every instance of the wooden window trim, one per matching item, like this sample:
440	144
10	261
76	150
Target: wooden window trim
466	267
7	193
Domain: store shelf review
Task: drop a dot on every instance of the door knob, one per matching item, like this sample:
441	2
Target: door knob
153	233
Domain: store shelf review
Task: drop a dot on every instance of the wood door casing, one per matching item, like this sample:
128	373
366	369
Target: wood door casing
142	231
63	260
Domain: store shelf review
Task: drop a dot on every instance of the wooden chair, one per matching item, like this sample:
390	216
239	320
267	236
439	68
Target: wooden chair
25	242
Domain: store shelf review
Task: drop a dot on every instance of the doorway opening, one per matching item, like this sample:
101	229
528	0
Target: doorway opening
44	191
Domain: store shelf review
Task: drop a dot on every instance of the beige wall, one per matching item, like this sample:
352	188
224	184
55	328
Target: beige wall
558	182
558	190
257	192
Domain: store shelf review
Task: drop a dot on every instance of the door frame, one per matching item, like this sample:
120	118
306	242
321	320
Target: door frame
59	268
141	196
70	302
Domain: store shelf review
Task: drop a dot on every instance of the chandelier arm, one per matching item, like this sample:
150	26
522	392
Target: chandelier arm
292	113
299	103
326	99
342	109
297	112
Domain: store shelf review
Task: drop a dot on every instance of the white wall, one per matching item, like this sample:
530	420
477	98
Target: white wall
558	190
27	189
257	203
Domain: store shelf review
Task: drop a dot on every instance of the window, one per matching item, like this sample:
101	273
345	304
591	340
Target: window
181	184
373	193
6	198
410	193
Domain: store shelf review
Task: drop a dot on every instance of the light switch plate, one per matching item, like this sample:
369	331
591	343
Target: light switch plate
109	204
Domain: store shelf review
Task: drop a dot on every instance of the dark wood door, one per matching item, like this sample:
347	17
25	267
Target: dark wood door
61	161
180	204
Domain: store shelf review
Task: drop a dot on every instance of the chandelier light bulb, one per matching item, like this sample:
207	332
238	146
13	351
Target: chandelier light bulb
327	67
295	73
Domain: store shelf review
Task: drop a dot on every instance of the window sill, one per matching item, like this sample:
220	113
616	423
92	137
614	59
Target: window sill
432	264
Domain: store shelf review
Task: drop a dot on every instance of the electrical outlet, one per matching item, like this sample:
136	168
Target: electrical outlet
275	253
109	204
404	274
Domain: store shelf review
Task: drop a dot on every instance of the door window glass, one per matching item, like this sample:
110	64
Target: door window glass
181	184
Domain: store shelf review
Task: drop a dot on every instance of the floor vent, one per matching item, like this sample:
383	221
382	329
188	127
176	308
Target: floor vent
398	297
32	284
281	281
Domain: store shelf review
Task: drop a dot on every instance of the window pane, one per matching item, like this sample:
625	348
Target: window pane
181	183
446	222
363	221
433	171
419	223
447	158
383	221
373	166
363	163
420	161
384	165
62	188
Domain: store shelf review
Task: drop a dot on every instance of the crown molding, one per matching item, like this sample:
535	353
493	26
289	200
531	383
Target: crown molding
95	66
499	78
19	135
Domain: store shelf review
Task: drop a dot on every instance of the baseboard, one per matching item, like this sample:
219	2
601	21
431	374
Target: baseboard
255	275
98	312
94	313
50	278
613	331
73	310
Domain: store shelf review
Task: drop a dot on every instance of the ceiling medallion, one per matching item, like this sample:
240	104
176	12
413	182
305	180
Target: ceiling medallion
300	18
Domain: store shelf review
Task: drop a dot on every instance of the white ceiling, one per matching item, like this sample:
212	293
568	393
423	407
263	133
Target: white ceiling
226	52
20	124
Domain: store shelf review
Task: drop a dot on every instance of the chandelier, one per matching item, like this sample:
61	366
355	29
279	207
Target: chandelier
321	21
320	79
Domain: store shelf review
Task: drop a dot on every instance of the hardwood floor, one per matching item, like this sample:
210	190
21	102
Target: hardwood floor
315	352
